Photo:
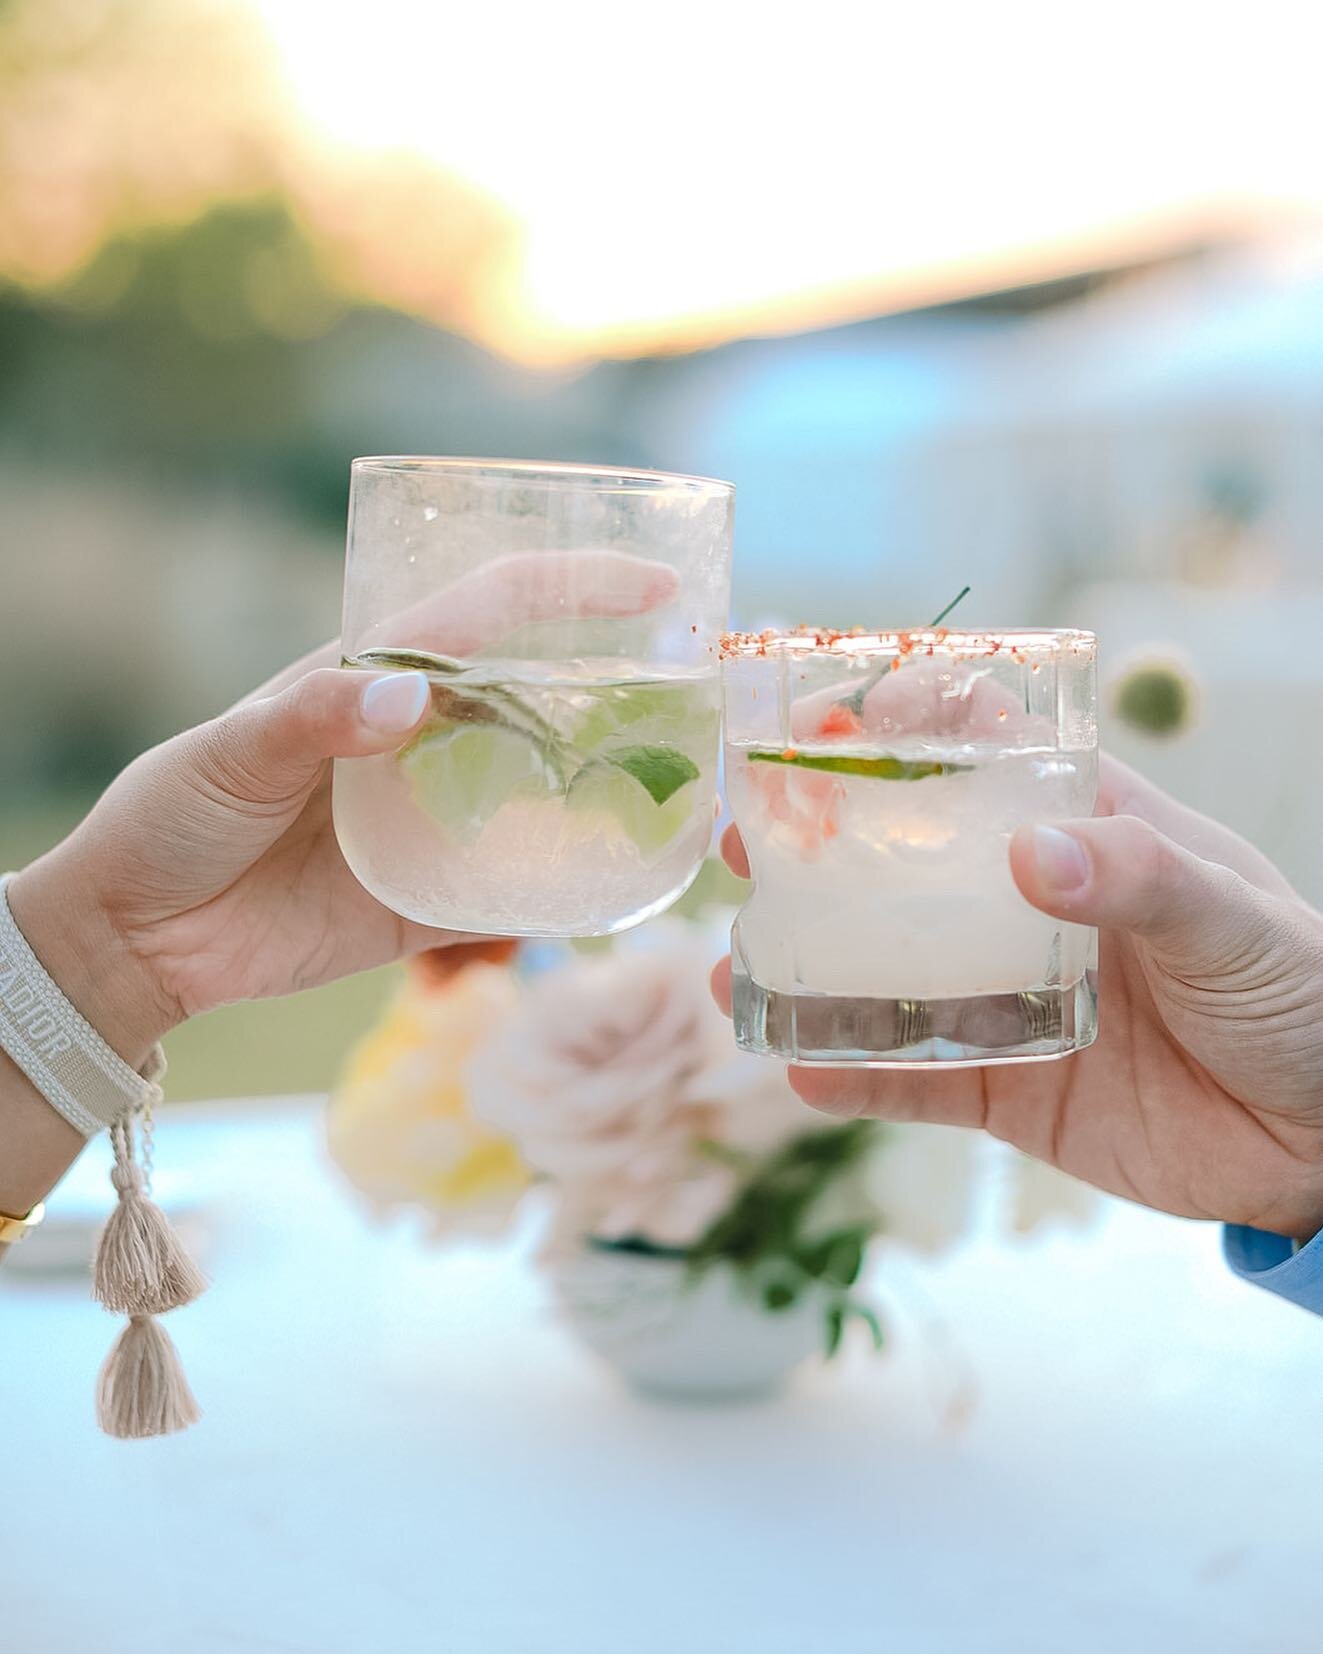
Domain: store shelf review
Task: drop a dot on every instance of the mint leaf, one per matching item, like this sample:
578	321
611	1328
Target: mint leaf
661	771
880	769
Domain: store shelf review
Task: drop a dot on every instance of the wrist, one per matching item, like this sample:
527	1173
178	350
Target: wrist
69	929
1299	1222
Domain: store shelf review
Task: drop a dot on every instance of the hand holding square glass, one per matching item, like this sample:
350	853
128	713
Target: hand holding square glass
876	781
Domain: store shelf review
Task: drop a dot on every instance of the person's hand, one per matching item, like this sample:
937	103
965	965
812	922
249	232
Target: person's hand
209	871
1203	1094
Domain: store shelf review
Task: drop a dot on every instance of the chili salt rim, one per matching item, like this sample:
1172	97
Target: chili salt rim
942	641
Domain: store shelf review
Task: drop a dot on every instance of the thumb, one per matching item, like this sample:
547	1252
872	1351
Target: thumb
1121	873
269	751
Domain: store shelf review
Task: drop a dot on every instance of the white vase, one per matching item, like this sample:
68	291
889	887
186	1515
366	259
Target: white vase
669	1334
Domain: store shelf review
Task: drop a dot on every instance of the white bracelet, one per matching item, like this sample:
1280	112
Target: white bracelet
60	1052
140	1269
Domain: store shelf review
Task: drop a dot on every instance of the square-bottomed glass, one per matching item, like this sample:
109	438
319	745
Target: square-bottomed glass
877	780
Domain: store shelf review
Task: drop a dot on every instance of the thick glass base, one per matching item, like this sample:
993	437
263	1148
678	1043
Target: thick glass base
1034	1025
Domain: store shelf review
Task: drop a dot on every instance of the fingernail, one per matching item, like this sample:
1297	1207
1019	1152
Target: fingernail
396	701
1062	864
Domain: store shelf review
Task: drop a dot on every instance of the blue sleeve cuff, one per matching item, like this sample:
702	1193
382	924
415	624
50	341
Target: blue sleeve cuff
1270	1261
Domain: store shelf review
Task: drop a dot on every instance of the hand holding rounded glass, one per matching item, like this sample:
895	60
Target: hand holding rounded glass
567	620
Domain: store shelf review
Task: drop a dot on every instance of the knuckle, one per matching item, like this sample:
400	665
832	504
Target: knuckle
1154	861
241	754
221	752
299	710
1255	924
844	1096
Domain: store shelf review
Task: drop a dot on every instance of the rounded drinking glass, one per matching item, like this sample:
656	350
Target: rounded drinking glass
568	619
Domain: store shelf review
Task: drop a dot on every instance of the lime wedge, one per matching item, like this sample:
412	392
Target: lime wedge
461	774
678	714
632	800
880	769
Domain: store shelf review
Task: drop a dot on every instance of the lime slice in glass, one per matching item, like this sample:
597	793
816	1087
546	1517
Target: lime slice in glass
603	787
677	714
461	774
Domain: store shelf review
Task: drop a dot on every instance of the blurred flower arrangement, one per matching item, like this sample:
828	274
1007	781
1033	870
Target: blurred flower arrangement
611	1080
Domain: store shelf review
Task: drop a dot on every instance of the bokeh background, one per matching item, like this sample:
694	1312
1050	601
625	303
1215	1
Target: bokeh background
946	308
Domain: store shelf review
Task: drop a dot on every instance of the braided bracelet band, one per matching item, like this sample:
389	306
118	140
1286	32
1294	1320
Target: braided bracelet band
60	1052
140	1269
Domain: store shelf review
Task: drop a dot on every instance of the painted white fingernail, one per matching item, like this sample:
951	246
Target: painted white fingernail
395	702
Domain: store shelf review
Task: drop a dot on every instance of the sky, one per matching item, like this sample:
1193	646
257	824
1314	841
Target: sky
685	170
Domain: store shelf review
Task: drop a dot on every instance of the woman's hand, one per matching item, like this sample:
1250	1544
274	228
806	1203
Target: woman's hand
1203	1094
209	871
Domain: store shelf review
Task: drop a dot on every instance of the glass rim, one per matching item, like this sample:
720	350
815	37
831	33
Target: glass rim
940	642
607	478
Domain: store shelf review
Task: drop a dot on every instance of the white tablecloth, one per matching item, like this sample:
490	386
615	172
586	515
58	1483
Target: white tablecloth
402	1452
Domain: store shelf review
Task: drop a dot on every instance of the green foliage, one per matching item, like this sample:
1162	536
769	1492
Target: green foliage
844	1310
1157	699
193	355
636	1246
779	1295
767	1232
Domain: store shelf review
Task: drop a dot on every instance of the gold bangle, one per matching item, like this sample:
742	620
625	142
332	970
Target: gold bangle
13	1230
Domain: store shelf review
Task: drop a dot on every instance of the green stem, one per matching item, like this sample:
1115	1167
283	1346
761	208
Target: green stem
855	700
958	598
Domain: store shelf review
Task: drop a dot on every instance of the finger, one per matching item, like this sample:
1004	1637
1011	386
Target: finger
268	751
719	982
1123	791
917	699
490	602
953	1099
736	856
1121	873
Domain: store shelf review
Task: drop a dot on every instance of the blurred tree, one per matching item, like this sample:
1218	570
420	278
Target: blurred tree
160	358
173	244
120	113
127	115
204	315
220	355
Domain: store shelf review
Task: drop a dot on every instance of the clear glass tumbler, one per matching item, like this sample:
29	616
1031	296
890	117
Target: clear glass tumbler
568	619
877	780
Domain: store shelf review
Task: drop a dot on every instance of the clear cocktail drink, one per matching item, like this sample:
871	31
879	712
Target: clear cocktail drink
877	782
573	801
567	619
